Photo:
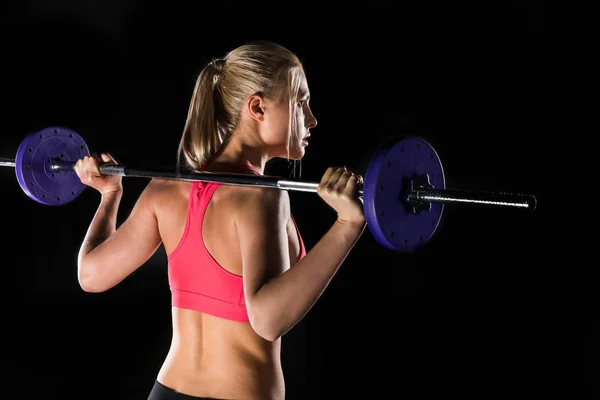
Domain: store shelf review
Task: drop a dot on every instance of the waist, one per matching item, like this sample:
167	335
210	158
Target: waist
199	338
219	365
214	357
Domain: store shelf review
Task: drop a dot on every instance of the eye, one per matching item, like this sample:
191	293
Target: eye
301	103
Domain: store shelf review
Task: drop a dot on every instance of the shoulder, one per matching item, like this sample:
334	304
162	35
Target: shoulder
160	190
253	204
158	186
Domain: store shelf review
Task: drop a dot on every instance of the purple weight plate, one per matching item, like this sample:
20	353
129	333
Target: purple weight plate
386	185
33	165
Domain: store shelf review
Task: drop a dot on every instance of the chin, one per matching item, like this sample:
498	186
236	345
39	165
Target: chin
295	153
293	156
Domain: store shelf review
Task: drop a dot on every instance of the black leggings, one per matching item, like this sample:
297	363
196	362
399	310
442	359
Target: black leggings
161	392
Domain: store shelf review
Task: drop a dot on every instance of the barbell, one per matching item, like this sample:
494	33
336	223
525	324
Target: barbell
403	193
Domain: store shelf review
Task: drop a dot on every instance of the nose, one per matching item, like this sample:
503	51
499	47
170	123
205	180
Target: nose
311	121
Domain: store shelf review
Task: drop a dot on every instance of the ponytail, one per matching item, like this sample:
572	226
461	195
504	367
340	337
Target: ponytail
202	136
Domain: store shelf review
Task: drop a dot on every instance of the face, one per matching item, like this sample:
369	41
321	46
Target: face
286	125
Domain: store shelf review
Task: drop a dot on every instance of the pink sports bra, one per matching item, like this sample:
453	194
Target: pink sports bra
196	280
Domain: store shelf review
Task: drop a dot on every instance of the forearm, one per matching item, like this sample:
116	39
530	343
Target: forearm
104	224
287	298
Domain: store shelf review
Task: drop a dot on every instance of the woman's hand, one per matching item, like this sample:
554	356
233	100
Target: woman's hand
87	169
339	189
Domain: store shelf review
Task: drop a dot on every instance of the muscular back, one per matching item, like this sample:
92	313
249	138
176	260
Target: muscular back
207	349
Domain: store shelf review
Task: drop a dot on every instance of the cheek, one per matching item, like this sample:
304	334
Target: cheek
283	124
277	128
297	123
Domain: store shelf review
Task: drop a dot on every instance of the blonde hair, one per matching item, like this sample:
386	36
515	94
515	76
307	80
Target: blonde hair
221	89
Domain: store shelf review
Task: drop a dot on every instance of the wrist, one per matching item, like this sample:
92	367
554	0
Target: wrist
357	224
111	193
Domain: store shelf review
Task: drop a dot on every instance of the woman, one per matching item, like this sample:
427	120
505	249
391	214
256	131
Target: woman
239	274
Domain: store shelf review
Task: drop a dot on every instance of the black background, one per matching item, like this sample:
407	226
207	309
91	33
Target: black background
494	304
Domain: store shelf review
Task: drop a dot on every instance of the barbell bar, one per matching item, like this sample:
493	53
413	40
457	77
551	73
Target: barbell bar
403	194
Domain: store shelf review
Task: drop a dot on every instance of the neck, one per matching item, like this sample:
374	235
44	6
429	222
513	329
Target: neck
239	151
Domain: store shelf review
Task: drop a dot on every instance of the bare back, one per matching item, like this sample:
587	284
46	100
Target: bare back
211	356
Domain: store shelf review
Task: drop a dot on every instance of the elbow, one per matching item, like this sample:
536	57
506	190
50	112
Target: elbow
264	326
89	287
88	281
269	333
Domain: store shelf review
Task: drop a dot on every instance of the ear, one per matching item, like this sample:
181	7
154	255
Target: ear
256	107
